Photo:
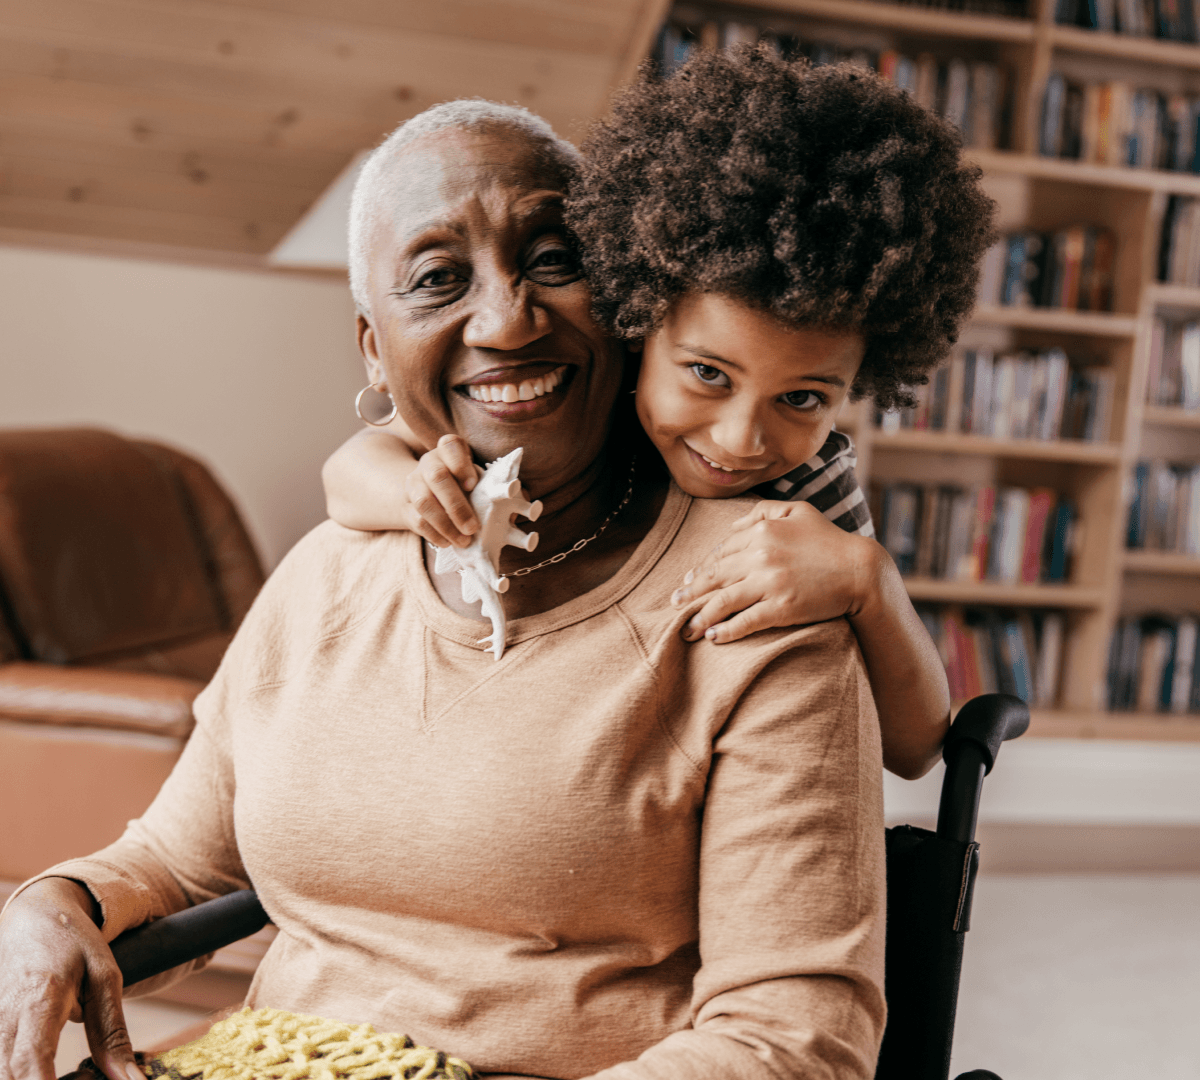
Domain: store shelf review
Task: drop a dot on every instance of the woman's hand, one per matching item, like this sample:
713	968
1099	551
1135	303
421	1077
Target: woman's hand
436	492
784	564
55	966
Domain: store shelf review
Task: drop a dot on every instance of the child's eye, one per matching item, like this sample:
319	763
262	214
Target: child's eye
710	375
804	400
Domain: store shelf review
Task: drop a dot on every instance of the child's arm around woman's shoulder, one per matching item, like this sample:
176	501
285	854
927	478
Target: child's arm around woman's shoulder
380	479
787	564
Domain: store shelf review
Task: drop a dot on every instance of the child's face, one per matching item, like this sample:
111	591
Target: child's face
732	397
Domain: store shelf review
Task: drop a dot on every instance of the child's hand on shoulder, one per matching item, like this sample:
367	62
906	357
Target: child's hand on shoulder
784	564
437	493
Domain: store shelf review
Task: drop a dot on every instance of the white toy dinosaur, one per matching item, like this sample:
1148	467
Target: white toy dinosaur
495	499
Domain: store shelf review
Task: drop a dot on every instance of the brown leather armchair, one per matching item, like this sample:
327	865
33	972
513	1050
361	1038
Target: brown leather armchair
124	571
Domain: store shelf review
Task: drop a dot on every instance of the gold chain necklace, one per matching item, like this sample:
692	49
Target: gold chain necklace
579	545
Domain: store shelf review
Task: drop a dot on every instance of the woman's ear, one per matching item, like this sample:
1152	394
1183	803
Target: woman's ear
368	346
636	345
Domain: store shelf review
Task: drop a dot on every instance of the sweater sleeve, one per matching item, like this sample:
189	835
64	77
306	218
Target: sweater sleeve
791	900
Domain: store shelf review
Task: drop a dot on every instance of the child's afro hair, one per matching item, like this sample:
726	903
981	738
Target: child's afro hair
822	195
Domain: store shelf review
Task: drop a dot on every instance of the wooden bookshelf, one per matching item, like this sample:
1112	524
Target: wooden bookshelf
937	442
913	18
1123	46
999	594
1170	563
1090	323
1179	297
1170	416
1082	172
1045	194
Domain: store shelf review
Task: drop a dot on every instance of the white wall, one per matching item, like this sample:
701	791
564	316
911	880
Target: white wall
253	372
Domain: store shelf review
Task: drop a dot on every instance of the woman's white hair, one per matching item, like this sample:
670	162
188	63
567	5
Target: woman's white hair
372	189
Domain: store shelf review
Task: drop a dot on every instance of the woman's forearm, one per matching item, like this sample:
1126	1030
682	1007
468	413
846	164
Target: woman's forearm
364	482
907	678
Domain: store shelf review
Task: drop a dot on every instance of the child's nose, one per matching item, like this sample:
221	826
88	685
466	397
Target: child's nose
740	434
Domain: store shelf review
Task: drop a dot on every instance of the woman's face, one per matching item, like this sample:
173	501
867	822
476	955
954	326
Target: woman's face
732	398
480	319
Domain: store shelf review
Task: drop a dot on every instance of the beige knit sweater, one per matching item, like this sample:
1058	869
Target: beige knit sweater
612	853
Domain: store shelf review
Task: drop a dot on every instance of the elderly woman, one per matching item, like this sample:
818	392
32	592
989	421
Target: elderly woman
612	853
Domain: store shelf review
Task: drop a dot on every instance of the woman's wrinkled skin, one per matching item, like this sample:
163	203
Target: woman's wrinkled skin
473	281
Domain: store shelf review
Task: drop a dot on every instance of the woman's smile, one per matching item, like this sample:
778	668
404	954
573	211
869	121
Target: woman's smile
519	393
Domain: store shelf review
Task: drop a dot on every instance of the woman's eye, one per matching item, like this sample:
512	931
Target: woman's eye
804	400
556	263
706	373
438	279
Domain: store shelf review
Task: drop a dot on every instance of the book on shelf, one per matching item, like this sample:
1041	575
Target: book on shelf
1164	508
981	533
987	651
1179	246
1170	20
1153	664
1115	123
1072	268
975	95
1173	377
1021	395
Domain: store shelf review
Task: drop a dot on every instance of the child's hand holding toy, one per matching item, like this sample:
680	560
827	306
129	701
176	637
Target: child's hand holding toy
784	564
436	491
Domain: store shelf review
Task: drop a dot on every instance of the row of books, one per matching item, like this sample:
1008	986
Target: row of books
1072	268
974	95
1173	20
1164	508
1152	665
988	651
1174	376
1113	123
1179	248
1022	395
981	533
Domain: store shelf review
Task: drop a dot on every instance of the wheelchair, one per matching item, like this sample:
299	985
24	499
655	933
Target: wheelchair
930	880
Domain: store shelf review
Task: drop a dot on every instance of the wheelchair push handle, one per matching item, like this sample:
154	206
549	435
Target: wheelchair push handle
970	750
159	946
986	721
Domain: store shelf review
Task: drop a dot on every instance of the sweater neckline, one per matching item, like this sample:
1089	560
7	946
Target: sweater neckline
449	624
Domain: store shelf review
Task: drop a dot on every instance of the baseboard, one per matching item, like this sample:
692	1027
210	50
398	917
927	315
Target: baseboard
1058	849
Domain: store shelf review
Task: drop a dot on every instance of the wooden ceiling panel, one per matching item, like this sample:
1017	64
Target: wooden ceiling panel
586	26
171	122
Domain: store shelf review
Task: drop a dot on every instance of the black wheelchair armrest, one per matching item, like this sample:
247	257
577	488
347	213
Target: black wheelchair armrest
197	931
969	751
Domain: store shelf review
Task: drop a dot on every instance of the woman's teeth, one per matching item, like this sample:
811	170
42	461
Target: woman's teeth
715	465
525	391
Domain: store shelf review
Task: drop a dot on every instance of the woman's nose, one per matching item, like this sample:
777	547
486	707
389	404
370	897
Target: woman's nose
505	317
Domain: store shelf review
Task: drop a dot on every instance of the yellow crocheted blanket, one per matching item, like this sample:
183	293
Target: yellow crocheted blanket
270	1044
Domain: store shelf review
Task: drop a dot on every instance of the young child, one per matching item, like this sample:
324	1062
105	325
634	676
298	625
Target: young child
772	239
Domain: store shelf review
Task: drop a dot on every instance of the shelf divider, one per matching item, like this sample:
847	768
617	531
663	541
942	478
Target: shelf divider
948	442
1004	593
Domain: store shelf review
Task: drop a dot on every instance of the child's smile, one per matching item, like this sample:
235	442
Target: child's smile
732	397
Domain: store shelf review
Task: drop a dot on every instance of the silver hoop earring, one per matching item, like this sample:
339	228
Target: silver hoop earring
379	393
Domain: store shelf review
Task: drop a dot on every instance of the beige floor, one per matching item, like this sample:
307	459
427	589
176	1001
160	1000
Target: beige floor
1066	977
1082	977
